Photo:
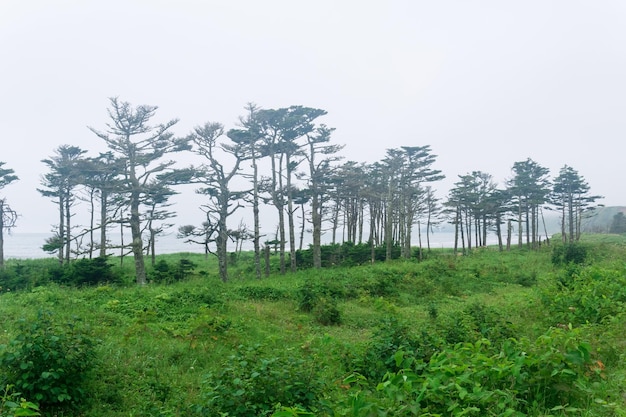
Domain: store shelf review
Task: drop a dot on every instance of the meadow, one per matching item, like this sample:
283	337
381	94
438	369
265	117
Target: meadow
519	333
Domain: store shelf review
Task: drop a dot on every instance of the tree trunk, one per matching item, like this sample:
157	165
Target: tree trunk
137	242
2	234
103	224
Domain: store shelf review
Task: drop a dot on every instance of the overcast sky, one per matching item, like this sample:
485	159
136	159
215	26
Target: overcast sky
484	83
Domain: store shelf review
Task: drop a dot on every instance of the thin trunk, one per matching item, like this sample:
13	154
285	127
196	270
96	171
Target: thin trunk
137	242
255	211
61	229
2	208
68	228
103	224
509	232
519	224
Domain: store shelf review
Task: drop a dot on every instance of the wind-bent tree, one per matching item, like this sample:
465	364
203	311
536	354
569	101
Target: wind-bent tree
570	195
529	188
406	170
319	146
281	129
143	147
433	211
345	184
415	172
8	217
249	138
63	177
223	201
101	179
156	201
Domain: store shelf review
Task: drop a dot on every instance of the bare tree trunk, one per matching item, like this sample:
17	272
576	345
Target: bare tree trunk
2	234
137	242
103	224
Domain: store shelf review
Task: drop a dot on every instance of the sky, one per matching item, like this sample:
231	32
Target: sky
484	83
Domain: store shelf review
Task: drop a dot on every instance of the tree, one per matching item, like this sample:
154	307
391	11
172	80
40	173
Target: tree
318	145
61	180
156	200
280	130
101	177
618	225
223	201
249	138
130	137
570	194
8	217
529	188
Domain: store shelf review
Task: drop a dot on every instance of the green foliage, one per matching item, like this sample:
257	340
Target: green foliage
391	336
591	294
252	382
19	275
326	312
166	273
444	324
13	405
87	272
265	293
570	253
49	363
345	255
476	379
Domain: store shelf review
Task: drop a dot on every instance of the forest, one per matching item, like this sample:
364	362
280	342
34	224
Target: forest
282	158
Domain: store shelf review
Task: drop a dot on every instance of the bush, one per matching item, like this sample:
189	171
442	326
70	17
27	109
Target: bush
571	253
86	272
326	312
260	293
251	383
389	337
12	405
166	273
47	362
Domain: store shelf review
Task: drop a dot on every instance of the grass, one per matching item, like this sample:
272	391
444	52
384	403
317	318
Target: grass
157	344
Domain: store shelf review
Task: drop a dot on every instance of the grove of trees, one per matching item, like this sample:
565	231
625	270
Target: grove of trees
283	158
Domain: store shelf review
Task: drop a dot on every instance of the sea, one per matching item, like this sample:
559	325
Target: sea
29	245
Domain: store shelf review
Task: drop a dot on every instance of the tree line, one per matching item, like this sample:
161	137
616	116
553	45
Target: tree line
285	159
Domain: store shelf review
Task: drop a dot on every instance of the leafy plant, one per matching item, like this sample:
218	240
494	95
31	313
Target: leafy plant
13	405
49	363
252	383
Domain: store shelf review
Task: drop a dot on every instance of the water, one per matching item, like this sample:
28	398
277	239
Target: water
28	245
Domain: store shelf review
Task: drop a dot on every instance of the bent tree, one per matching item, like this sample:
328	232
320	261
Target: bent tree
143	147
570	195
60	183
8	217
223	201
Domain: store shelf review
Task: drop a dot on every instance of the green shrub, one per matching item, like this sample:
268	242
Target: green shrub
49	363
18	275
88	272
474	378
389	337
13	405
570	253
164	272
251	383
591	295
326	312
260	293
